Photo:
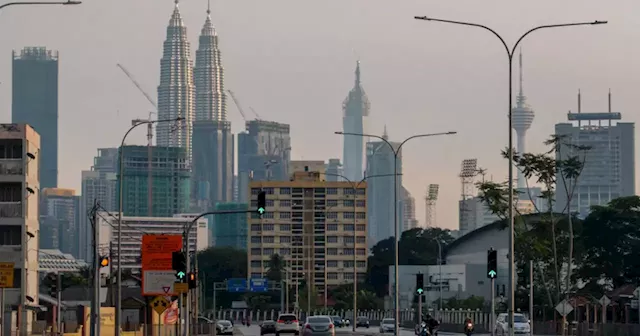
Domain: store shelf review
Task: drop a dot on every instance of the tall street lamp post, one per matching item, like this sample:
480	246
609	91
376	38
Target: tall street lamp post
118	316
396	152
33	3
510	53
354	187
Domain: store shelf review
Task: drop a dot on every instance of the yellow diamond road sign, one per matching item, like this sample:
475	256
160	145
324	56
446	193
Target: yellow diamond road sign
6	274
160	304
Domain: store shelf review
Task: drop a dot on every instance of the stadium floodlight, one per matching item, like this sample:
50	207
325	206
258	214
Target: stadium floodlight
469	168
433	192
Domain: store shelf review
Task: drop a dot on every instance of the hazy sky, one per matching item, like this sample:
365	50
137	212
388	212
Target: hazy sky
293	62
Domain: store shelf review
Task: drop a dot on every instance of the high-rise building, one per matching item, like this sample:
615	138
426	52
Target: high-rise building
98	185
474	213
522	119
263	154
309	222
230	230
35	102
170	183
176	89
355	107
19	222
59	221
380	198
334	170
609	163
409	220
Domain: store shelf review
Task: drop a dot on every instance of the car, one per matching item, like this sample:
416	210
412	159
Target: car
267	327
287	324
521	325
224	327
338	322
347	322
319	325
387	325
362	321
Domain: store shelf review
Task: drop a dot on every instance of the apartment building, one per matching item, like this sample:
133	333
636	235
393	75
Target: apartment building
318	227
19	225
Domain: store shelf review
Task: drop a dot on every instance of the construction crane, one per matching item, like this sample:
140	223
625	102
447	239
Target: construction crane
240	109
149	138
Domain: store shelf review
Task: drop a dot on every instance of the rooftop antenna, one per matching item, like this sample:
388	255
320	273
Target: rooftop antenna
609	106
579	105
521	80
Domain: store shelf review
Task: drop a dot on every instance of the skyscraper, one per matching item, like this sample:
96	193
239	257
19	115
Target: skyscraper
609	164
35	102
59	218
409	220
380	197
522	120
334	170
355	107
176	89
213	147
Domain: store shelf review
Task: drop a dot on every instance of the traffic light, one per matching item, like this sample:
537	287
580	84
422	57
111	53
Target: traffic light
420	283
192	280
262	202
53	284
179	264
104	262
492	264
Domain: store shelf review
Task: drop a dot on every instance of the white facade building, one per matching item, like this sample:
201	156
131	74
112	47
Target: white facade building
19	224
133	228
474	213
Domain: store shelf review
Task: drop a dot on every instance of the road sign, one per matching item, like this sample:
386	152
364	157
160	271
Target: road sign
156	260
160	304
180	287
258	285
604	300
158	282
237	285
564	308
6	274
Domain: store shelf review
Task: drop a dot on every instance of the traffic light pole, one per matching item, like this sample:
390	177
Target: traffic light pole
95	299
493	307
419	309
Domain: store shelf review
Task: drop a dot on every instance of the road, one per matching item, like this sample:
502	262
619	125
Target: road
254	330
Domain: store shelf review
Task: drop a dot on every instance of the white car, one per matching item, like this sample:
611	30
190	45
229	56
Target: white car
521	325
287	324
387	325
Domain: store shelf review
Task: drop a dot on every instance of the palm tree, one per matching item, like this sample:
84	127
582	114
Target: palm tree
276	268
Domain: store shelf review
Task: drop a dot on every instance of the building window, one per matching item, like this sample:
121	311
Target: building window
256	263
347	215
285	227
255	227
268	252
285	215
256	239
255	191
361	239
268	202
346	251
361	251
285	203
297	190
285	239
361	215
347	191
268	215
332	263
347	203
255	251
362	191
285	251
347	264
332	239
361	227
362	264
348	239
285	191
332	215
332	227
348	227
268	239
347	276
332	276
361	203
256	275
332	251
332	191
267	227
332	203
268	191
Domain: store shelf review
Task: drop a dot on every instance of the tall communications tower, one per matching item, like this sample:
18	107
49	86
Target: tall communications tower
522	120
431	199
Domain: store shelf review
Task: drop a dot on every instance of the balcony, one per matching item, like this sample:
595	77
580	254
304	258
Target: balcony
11	167
10	209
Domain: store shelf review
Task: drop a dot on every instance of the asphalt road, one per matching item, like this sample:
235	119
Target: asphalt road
254	330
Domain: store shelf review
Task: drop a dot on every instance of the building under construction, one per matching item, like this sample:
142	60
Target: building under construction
166	173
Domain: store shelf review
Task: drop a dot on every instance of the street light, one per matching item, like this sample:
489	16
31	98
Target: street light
22	3
396	152
354	186
119	240
510	53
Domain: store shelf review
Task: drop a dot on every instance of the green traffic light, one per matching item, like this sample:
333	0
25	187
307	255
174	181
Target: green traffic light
261	211
181	274
492	274
420	290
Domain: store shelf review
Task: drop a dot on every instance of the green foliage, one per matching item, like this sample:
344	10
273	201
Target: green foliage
343	297
472	302
417	247
68	280
217	264
257	301
276	268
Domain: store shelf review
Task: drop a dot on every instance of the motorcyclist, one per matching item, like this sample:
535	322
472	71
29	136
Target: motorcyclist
432	324
468	326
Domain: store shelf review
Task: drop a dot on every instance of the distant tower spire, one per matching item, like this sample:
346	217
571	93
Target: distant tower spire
520	63
385	135
208	7
358	73
522	119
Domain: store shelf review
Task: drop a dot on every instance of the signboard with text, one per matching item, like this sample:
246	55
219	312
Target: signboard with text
158	276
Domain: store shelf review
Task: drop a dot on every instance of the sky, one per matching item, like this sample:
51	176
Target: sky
293	62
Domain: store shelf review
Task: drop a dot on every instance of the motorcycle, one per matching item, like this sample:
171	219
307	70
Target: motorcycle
468	329
424	330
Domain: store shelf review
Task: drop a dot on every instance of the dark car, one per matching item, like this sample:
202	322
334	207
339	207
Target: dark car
268	327
362	322
338	322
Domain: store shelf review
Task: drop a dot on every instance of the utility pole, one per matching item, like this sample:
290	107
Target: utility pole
531	296
95	298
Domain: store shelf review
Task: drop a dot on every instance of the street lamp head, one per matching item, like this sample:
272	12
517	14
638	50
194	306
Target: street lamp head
452	132
338	132
72	2
422	18
597	22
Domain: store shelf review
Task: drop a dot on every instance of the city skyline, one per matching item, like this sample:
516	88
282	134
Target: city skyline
400	101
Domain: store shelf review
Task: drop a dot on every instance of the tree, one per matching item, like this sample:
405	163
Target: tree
276	268
68	279
417	247
218	264
611	236
542	238
343	297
